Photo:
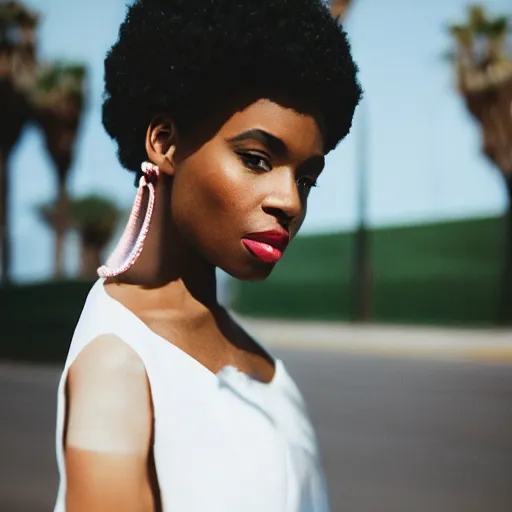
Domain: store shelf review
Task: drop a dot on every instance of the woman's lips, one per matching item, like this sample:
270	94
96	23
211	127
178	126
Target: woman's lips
263	251
268	246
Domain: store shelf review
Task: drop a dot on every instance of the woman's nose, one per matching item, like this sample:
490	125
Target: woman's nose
284	200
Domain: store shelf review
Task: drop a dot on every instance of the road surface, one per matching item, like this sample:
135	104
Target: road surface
397	434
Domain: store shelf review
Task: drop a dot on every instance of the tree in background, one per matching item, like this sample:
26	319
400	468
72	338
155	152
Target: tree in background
361	285
58	96
483	64
17	67
51	95
95	219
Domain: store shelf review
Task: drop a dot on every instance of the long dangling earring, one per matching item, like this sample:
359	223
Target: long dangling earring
131	243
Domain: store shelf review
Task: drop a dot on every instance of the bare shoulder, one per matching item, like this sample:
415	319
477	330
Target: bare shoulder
109	400
108	430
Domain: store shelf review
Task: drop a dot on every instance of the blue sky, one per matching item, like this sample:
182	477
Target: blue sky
423	158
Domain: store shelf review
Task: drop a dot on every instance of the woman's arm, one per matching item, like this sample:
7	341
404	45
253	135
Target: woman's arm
108	430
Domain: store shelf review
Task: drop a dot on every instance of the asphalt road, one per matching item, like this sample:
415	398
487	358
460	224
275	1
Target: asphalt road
397	435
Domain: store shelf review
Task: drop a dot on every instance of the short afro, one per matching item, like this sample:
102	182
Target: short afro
182	58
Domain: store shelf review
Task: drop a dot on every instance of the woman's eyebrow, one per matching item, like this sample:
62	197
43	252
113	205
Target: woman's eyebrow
278	147
273	143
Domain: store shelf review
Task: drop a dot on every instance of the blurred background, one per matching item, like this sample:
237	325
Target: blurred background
393	308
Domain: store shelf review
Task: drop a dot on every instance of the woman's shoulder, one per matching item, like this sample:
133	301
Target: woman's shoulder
109	396
108	353
103	318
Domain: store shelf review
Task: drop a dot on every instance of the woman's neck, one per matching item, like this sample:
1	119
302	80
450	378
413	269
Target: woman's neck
168	264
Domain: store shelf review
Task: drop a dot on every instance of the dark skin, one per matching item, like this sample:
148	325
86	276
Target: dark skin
253	173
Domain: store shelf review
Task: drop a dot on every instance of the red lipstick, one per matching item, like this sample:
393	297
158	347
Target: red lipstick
267	246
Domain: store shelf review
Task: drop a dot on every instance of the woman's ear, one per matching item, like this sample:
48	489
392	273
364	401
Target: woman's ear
161	139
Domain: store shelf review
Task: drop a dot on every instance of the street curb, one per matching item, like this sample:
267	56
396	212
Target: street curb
495	355
479	345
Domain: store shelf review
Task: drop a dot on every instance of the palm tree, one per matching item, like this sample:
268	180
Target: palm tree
95	219
51	95
361	287
17	65
482	60
58	98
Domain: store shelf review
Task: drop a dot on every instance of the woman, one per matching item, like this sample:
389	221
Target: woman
165	403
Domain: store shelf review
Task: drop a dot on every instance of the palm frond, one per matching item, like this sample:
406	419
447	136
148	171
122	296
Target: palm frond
56	81
499	27
93	216
482	55
60	75
47	213
94	209
478	19
463	35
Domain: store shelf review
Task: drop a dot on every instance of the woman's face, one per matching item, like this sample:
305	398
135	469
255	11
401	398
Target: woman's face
241	197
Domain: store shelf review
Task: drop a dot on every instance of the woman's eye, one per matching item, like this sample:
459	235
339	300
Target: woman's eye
306	183
255	162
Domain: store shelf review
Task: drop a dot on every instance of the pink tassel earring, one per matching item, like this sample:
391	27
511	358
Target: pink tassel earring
131	244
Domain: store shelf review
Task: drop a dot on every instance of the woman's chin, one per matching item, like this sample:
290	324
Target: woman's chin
251	273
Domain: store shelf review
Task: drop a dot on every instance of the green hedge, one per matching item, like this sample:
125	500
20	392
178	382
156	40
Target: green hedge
444	273
436	274
37	321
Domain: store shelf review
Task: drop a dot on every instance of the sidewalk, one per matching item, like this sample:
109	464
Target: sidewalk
485	345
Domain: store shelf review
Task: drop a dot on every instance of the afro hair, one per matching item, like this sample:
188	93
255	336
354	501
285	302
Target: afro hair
183	58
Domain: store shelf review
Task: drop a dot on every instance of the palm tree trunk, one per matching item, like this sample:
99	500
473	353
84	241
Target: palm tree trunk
505	312
362	277
61	226
90	260
362	268
5	248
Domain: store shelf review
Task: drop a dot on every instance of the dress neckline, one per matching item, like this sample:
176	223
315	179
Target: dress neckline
225	373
